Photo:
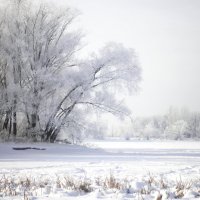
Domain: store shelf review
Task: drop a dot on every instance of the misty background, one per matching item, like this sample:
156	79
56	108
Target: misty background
165	35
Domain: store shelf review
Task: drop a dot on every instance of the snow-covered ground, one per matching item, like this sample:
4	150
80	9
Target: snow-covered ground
111	169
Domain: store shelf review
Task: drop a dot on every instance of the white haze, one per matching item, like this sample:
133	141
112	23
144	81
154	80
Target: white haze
165	35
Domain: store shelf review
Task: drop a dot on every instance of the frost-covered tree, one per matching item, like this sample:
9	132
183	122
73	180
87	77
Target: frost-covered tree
43	81
92	83
36	45
193	130
177	130
152	130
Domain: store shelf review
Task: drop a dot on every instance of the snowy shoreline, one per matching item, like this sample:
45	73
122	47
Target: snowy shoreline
130	163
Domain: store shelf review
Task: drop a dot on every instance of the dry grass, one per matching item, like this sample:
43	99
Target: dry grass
28	186
181	187
112	183
69	183
9	186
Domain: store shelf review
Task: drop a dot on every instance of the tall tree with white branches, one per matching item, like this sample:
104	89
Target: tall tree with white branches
43	79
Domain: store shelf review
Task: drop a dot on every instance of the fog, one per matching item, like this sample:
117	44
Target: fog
165	35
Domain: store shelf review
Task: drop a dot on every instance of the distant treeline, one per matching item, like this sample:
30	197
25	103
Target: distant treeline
176	124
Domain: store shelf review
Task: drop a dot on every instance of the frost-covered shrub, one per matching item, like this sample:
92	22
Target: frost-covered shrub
177	130
150	131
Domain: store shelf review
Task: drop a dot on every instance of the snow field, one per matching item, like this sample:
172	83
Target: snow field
77	172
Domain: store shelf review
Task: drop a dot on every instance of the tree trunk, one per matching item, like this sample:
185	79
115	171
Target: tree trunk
6	121
51	134
15	116
10	126
54	135
33	120
14	123
50	129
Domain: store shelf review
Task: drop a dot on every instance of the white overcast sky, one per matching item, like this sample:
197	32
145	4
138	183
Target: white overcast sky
166	37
